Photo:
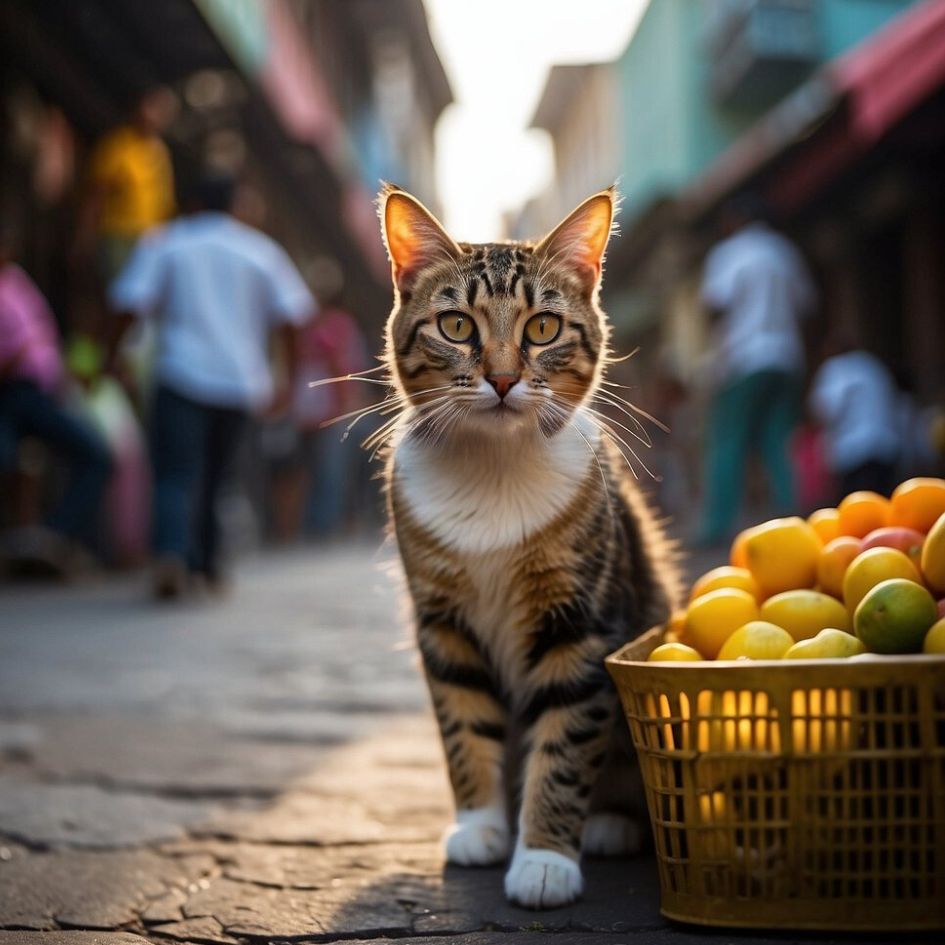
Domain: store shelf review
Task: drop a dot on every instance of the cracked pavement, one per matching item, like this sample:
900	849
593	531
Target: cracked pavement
261	769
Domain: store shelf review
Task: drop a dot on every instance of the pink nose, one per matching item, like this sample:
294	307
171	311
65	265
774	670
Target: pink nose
502	383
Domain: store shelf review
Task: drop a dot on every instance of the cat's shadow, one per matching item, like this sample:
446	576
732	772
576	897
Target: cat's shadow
621	894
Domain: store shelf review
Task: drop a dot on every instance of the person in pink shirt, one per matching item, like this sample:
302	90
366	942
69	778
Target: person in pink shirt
31	378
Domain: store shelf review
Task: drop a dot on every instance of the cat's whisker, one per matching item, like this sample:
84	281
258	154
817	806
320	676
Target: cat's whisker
389	425
610	359
629	409
603	425
607	430
565	416
350	377
394	400
643	437
361	412
629	405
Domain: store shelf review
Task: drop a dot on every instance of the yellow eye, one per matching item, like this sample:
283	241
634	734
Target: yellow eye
456	326
542	328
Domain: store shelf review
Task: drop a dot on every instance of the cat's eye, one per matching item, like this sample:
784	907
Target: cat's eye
456	326
542	329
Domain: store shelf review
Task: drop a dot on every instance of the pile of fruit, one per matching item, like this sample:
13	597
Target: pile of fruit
861	578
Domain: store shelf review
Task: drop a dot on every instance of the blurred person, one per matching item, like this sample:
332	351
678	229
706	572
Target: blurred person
103	401
853	396
32	381
756	288
216	290
130	183
331	346
914	423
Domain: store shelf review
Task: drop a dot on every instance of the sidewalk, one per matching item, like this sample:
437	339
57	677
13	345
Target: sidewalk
261	770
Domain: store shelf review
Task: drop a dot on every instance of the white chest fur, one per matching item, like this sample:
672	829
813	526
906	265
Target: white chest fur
485	495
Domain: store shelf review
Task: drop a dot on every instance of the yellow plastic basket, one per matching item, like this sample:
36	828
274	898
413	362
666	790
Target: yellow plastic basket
806	794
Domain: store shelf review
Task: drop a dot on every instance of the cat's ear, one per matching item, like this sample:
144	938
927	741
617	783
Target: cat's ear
413	236
579	241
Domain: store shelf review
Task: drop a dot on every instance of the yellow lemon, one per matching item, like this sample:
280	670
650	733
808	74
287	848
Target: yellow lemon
782	555
674	653
829	644
935	638
676	627
895	616
725	576
870	568
757	640
715	616
933	556
805	613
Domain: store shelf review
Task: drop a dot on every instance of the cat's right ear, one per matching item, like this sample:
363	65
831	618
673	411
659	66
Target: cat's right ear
413	236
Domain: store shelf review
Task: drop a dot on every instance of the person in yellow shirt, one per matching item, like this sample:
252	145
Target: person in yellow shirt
131	182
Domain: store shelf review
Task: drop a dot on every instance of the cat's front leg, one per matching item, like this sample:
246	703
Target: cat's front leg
570	721
472	725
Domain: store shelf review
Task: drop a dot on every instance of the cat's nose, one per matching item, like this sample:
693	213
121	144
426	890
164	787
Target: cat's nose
503	383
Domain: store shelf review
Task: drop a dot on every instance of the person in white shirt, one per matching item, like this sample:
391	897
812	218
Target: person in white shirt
756	288
854	397
216	289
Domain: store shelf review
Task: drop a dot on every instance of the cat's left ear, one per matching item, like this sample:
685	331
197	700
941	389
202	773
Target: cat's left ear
413	236
579	241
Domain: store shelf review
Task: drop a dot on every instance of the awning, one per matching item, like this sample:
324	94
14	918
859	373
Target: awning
836	117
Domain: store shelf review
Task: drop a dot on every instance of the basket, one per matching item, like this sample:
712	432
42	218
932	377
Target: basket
807	794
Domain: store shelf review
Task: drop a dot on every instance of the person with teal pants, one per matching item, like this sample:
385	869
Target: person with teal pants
757	288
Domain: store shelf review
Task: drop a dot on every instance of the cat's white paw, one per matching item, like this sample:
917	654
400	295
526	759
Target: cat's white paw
611	835
478	838
543	879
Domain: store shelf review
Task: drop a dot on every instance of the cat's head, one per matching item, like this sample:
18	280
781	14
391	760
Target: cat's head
496	337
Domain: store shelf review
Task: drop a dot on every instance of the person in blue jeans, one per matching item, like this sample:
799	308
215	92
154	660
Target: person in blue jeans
216	290
757	288
31	379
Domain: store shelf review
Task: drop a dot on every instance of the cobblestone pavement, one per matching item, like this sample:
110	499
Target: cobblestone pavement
262	769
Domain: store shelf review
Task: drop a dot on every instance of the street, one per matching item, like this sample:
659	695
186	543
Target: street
258	769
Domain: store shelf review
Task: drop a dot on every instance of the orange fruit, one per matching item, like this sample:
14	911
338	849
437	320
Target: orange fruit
833	561
826	522
895	616
782	555
674	653
716	615
757	640
805	613
862	512
873	567
917	503
725	576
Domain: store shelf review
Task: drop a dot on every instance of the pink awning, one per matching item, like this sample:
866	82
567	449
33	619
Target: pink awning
836	117
886	76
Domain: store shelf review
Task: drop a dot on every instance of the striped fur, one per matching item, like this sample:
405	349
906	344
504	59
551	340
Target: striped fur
529	553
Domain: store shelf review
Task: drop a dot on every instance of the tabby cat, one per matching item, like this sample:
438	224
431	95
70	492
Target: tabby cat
529	553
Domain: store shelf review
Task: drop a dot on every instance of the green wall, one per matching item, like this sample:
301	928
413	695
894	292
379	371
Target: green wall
670	129
843	23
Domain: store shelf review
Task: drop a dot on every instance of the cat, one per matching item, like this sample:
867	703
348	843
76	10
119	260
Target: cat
529	554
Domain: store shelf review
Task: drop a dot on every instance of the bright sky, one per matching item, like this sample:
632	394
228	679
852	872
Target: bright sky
497	54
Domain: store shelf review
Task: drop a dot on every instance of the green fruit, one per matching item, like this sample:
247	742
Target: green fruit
828	644
895	616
